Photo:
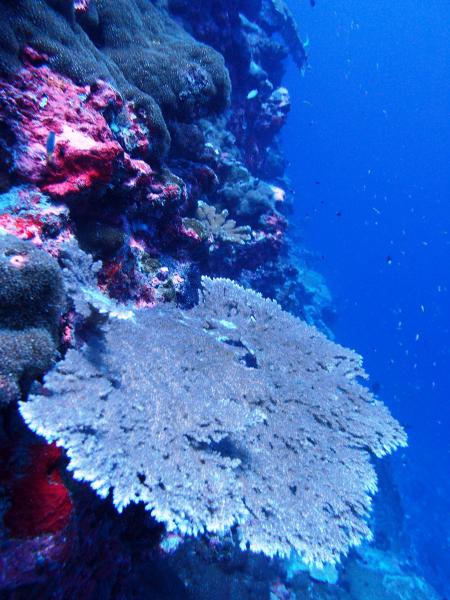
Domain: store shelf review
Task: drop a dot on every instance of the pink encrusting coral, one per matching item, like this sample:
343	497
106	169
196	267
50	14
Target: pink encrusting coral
63	142
25	228
28	214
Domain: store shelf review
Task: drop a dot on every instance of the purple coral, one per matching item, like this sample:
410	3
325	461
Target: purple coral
232	413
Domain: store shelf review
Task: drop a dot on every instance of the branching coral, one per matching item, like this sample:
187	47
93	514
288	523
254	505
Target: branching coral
80	273
231	413
213	226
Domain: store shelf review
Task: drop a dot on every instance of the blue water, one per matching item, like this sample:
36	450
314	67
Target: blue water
369	145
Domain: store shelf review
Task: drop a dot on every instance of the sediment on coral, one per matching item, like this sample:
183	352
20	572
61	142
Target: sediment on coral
223	425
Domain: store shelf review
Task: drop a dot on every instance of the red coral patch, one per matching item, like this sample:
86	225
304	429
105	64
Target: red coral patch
40	502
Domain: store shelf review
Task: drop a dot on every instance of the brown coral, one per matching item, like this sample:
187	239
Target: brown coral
215	226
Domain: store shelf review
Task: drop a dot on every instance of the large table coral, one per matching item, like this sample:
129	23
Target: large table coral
231	413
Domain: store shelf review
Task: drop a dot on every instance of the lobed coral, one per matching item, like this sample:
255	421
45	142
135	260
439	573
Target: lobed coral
31	300
133	44
222	424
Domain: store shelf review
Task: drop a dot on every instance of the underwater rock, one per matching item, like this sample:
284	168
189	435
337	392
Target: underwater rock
276	14
375	574
62	141
246	196
297	288
227	427
28	214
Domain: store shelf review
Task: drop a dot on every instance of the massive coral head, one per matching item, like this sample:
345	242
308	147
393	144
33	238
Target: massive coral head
62	141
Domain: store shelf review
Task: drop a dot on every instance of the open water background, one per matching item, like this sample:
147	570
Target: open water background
369	145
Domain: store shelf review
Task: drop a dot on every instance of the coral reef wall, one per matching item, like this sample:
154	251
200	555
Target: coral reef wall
123	113
139	152
131	44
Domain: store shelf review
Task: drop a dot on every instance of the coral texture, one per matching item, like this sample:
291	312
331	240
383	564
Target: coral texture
231	417
215	226
132	44
31	301
62	141
237	413
80	275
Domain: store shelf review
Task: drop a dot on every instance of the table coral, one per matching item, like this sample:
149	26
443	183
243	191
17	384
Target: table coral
89	91
223	425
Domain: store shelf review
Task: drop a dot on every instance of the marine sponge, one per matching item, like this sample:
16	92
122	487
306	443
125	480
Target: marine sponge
132	44
231	413
31	300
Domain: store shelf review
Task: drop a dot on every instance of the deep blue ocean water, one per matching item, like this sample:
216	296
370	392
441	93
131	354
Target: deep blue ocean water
369	146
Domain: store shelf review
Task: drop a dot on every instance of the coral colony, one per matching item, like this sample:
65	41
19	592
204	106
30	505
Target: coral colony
151	400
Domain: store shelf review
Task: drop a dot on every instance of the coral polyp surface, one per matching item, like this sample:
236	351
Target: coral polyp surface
31	300
213	225
132	44
236	413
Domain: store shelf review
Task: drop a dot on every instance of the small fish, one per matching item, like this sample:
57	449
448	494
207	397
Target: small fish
376	387
50	146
